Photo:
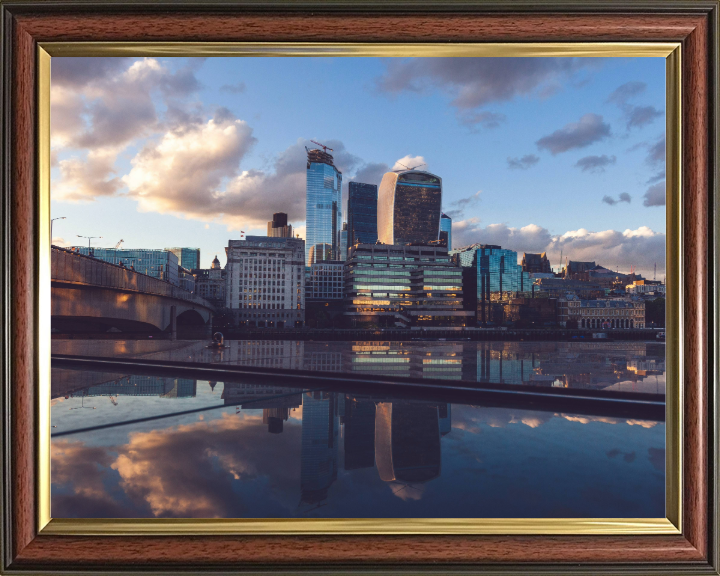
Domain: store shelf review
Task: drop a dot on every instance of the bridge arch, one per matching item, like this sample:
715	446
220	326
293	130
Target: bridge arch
91	295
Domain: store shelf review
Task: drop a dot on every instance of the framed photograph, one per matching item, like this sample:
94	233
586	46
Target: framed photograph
285	289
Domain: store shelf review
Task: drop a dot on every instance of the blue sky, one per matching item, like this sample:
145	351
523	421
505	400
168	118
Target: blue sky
556	155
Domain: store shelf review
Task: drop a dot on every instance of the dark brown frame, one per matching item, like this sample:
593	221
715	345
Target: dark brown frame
693	23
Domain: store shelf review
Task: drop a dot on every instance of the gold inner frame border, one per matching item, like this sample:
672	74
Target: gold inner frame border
671	51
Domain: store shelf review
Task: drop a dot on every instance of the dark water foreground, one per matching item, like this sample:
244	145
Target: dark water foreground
153	446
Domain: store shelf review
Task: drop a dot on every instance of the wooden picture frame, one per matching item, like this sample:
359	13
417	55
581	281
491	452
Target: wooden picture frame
27	25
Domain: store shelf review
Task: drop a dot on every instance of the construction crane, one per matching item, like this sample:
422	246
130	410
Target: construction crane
406	168
325	148
118	244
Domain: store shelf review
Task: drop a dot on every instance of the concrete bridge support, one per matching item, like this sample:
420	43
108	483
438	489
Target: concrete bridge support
85	308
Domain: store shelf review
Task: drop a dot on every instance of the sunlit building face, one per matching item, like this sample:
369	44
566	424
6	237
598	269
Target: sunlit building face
323	203
409	206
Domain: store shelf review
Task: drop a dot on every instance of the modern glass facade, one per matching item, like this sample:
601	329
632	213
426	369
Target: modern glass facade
343	241
187	257
323	203
409	207
401	285
491	274
362	213
324	280
160	264
446	226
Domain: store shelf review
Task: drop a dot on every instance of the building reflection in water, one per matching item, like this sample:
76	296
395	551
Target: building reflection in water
318	461
401	439
638	366
359	433
407	441
141	386
275	401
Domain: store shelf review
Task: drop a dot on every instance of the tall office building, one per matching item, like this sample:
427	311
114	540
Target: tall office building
188	258
343	241
491	276
278	227
160	264
446	230
323	214
401	285
362	213
265	281
409	207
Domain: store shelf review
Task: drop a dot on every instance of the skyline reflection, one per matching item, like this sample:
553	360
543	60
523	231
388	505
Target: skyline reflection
617	366
272	451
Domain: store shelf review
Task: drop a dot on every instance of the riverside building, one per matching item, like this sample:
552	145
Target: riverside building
265	281
324	293
491	278
409	204
403	285
323	207
604	314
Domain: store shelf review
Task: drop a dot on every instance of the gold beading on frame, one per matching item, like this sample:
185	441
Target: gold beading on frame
590	526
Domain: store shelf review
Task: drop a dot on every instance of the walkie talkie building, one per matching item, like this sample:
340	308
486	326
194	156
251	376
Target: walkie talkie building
409	205
323	202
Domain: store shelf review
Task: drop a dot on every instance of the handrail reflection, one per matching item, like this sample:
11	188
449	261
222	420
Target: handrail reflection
590	402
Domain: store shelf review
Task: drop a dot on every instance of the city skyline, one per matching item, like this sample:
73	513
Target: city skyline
548	128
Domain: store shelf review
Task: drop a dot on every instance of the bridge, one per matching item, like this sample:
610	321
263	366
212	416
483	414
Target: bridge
93	296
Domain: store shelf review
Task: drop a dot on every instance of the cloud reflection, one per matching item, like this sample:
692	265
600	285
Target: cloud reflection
185	471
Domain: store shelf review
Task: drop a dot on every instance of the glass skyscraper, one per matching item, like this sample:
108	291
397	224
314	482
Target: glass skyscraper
446	226
160	264
187	257
491	274
323	214
343	241
362	213
409	207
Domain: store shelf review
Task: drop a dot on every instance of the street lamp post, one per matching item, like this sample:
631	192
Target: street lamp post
88	239
51	223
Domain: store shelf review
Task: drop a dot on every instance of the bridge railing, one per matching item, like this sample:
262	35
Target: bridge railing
68	266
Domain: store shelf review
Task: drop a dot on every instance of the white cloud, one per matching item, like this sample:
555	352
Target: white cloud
641	248
83	180
185	170
99	106
410	162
